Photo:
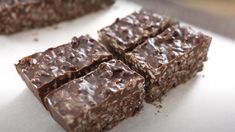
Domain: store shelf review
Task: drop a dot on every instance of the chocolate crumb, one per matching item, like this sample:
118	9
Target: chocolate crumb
203	75
158	105
35	39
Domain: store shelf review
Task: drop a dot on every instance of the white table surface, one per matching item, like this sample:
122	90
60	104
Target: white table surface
206	103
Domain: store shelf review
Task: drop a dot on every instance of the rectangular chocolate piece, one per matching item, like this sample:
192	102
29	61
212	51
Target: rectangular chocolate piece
169	59
127	33
18	15
45	71
98	101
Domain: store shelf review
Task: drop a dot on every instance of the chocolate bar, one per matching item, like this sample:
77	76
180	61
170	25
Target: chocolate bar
169	59
125	34
45	71
85	91
99	100
18	15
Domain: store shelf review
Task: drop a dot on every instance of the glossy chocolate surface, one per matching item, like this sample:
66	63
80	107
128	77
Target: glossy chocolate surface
169	59
109	84
91	90
132	29
172	43
43	68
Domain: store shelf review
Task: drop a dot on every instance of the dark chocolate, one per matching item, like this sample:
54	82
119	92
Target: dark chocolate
45	71
127	33
99	100
169	59
85	91
18	15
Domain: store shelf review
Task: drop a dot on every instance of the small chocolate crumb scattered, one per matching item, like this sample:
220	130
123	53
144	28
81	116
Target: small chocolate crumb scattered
35	39
203	75
158	105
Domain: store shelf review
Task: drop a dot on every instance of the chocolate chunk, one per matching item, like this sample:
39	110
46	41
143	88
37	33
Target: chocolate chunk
99	100
127	33
18	15
169	59
45	71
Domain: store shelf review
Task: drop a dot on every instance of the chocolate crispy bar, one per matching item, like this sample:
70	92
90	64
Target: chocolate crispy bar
45	71
18	15
127	33
99	100
169	59
165	53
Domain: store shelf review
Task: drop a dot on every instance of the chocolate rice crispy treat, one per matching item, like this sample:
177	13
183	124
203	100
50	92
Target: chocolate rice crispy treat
18	15
98	101
45	71
169	59
127	33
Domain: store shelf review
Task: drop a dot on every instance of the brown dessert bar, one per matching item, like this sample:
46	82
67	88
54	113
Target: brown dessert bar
18	15
45	71
169	59
99	100
127	33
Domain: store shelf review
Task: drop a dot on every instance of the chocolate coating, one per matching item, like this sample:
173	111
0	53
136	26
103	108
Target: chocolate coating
18	15
85	91
169	59
12	2
98	98
126	33
169	45
47	70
